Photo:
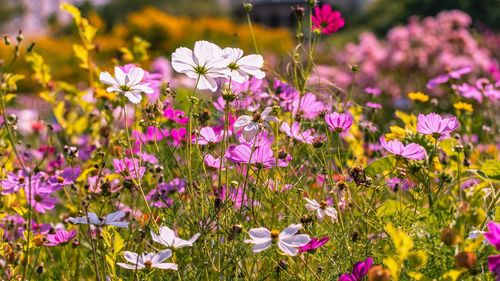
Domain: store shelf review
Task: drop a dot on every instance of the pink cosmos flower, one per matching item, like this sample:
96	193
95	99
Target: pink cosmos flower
411	151
262	156
435	125
178	116
494	265
14	182
359	271
61	237
400	184
493	234
212	162
40	197
373	105
208	136
67	177
373	91
294	132
314	244
309	108
178	135
127	168
339	122
468	91
327	21
454	74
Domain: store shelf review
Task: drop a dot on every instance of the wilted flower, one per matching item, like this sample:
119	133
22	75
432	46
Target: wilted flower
327	21
147	260
205	62
130	84
167	238
288	240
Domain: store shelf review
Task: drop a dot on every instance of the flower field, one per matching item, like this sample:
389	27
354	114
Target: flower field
278	156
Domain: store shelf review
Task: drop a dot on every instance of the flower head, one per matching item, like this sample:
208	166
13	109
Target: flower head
113	219
205	62
314	244
241	67
294	132
147	260
250	125
322	209
61	237
435	125
130	83
327	21
359	271
339	122
418	96
167	238
288	240
493	234
411	151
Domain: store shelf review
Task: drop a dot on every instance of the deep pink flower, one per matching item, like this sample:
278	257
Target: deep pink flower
359	271
494	265
373	105
327	21
373	91
411	151
178	135
61	237
435	125
493	234
212	162
314	244
178	116
339	122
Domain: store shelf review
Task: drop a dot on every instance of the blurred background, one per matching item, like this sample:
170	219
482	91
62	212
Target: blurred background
383	36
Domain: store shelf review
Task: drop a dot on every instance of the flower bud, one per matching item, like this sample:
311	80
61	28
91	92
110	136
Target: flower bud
248	7
417	259
465	259
449	236
378	273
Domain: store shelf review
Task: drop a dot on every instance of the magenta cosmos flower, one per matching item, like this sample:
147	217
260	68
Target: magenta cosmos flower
494	265
435	125
327	21
493	234
411	151
262	156
314	244
359	271
339	122
61	237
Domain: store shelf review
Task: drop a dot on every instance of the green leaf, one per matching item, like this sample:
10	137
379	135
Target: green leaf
491	168
380	165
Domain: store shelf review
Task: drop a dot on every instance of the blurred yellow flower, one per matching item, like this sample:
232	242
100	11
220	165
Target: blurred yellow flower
463	106
418	96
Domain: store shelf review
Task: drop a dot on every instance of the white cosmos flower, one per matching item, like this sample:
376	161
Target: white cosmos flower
241	67
113	219
322	209
127	83
206	62
288	240
147	260
167	237
251	124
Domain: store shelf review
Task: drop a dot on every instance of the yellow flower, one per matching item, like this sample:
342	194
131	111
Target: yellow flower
418	96
463	106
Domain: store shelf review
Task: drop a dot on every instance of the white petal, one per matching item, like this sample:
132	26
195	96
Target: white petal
288	249
143	88
130	266
120	76
241	122
194	238
207	83
131	257
290	230
135	76
311	205
161	256
106	78
172	266
262	246
182	60
298	240
259	233
133	97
